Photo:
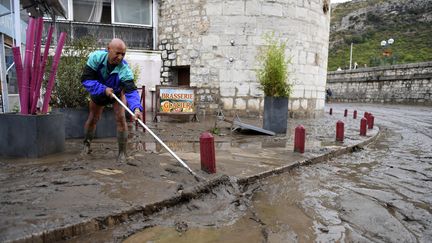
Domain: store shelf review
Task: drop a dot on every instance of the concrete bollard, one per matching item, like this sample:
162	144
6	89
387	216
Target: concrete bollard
299	139
363	124
339	131
355	114
346	113
207	152
331	111
370	121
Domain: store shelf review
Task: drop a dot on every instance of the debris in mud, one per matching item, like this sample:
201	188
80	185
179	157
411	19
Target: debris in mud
181	226
131	163
109	171
59	182
256	219
171	170
192	207
73	168
357	149
324	230
42	184
180	187
42	169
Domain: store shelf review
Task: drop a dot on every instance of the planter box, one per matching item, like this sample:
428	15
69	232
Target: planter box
31	136
76	117
275	114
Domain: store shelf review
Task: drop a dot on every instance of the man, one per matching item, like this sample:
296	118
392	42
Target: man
106	73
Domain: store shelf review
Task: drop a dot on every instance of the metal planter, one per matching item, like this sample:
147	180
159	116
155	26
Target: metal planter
76	117
31	136
275	114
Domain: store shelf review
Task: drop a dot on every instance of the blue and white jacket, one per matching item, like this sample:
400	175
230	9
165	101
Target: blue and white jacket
96	78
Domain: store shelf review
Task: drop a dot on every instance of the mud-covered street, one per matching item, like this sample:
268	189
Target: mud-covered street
382	193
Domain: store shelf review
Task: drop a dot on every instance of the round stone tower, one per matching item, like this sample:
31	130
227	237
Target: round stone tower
214	43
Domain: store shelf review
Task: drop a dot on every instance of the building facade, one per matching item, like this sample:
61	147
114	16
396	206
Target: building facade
212	44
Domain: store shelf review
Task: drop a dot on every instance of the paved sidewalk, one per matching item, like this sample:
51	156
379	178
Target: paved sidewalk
60	196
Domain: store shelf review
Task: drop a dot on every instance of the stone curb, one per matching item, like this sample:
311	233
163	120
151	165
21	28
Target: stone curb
317	159
116	218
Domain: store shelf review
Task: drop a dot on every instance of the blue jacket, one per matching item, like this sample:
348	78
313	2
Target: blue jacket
96	78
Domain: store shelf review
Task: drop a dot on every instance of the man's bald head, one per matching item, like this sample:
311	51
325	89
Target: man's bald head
116	51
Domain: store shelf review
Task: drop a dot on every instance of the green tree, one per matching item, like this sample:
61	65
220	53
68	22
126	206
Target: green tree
273	72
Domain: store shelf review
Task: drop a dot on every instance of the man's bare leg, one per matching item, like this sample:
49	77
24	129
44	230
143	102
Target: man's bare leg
95	112
122	132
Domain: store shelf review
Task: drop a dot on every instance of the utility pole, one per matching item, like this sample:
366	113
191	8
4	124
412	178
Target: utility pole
351	56
17	22
4	86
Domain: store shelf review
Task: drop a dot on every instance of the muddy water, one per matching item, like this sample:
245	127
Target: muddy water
381	194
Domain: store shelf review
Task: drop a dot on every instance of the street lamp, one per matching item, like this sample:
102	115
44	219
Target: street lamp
387	52
351	56
385	45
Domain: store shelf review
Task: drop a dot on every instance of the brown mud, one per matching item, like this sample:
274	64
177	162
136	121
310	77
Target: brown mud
71	195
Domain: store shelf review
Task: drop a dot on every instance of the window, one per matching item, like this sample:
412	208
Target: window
133	12
68	14
97	11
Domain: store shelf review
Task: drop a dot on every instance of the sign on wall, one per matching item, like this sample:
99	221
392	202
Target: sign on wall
175	100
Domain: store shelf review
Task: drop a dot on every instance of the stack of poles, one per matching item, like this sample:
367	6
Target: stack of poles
30	75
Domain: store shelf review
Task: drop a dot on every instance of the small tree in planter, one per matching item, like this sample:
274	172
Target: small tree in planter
273	77
68	92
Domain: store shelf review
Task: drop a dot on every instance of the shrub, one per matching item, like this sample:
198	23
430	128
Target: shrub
273	72
68	91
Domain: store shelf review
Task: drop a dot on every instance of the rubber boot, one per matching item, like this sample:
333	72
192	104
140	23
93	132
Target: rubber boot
122	144
88	137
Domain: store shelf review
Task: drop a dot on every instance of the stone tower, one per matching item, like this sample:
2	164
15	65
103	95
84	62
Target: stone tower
213	44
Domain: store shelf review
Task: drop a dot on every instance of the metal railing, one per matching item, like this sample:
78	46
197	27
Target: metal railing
136	37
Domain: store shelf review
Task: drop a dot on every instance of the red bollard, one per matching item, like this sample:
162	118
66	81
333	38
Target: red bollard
339	131
370	121
366	114
299	139
346	113
363	124
331	111
355	114
207	152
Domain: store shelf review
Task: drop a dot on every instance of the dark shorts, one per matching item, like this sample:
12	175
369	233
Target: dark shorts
103	100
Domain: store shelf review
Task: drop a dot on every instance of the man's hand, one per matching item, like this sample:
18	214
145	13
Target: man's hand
109	92
138	114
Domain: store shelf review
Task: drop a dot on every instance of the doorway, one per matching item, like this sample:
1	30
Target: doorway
181	75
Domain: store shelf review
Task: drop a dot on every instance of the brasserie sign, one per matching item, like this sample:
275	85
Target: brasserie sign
175	99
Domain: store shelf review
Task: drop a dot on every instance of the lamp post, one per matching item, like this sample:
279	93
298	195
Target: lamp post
351	56
387	52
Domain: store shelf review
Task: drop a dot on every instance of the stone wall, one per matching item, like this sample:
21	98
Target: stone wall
219	40
402	84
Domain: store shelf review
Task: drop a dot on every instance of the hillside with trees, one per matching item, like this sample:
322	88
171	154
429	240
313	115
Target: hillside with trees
366	23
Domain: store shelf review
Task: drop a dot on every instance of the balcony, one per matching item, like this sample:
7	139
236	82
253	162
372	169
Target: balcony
135	37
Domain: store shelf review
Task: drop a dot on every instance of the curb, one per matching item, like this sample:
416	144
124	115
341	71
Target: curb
318	159
116	218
